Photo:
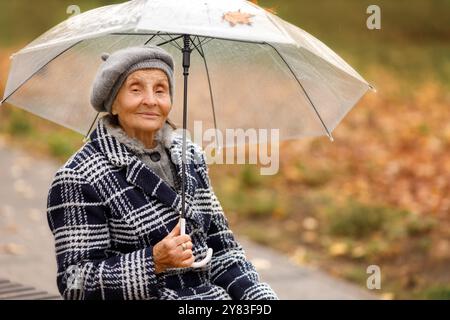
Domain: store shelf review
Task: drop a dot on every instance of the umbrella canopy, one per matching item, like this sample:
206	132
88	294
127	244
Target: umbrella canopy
248	68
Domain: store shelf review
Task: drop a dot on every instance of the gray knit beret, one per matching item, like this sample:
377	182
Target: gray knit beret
119	65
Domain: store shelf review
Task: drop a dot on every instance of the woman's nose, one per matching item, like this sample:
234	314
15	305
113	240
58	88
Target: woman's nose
149	98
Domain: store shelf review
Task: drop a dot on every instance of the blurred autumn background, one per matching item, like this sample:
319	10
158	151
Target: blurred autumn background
377	195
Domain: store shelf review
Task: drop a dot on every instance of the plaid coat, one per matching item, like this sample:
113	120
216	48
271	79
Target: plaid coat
107	209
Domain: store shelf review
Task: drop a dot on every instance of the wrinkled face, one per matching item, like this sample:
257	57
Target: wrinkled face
143	102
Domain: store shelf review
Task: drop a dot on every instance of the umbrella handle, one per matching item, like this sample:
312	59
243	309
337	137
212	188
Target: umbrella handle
209	254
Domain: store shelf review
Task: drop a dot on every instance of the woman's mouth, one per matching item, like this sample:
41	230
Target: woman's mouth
149	115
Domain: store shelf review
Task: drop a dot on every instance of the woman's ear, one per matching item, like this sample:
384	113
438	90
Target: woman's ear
114	110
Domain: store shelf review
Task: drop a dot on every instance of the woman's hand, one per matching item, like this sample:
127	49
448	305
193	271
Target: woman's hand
174	251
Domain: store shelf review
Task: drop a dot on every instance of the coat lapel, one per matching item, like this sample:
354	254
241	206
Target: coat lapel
139	175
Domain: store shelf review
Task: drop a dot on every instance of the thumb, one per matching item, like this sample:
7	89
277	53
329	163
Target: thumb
175	232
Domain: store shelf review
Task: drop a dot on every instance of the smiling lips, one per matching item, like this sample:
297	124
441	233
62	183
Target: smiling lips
149	115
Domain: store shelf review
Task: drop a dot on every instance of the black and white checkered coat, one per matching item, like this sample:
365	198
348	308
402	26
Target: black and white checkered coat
107	210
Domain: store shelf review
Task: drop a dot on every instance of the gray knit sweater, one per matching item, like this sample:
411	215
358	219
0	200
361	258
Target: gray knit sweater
163	167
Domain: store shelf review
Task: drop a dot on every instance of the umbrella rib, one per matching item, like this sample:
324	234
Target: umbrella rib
206	40
64	51
37	71
153	36
175	41
143	33
169	41
210	87
195	46
201	43
306	93
177	34
90	128
202	54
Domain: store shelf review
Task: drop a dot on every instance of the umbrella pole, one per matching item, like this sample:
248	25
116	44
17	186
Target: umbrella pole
186	65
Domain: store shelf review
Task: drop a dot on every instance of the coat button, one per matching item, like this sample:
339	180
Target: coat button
155	156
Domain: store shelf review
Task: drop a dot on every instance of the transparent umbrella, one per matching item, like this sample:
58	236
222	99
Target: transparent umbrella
242	60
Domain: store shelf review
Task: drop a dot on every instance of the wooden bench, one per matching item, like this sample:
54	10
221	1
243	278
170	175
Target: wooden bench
15	291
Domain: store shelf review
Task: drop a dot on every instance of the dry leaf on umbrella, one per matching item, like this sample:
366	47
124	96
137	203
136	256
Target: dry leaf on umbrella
238	17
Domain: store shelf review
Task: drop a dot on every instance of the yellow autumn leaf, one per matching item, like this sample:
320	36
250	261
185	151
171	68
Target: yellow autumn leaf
238	17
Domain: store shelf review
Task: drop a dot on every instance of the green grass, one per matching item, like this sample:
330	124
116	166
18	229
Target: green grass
250	176
356	274
355	220
314	178
358	221
438	292
60	146
419	226
37	134
258	203
19	125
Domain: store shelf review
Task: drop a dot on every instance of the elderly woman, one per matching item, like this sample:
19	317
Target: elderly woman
114	207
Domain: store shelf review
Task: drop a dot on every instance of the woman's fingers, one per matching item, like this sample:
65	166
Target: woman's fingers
189	245
187	254
187	262
174	251
185	246
182	239
175	232
178	250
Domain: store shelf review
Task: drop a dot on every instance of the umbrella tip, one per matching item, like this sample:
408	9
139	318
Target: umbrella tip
331	138
218	149
373	88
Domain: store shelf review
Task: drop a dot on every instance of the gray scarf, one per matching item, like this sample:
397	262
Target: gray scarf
161	165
